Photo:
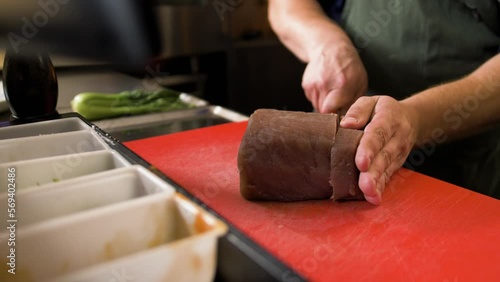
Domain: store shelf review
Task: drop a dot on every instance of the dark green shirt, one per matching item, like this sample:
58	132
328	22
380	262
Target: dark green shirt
410	45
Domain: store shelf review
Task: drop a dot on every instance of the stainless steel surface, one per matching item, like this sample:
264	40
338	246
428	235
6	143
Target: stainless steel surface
141	126
62	61
144	126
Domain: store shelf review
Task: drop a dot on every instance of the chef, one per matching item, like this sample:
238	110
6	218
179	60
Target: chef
421	77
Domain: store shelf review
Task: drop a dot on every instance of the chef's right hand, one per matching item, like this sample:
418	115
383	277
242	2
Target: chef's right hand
334	77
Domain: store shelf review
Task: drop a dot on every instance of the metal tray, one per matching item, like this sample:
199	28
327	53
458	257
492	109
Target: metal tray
60	224
149	125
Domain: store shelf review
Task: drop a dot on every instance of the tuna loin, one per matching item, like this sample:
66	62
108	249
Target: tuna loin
287	156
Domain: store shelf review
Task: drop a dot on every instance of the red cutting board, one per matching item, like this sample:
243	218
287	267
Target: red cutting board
425	229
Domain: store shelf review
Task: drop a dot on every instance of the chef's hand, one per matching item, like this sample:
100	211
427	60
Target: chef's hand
334	77
389	135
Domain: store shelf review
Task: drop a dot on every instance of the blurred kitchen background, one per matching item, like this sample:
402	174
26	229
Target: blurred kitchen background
223	51
229	57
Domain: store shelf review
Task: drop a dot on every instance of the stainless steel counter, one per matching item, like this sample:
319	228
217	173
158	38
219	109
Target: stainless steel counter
73	82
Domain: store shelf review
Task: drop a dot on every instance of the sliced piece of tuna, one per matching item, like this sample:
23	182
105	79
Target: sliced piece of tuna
344	173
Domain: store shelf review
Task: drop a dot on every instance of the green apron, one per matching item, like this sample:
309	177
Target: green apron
410	45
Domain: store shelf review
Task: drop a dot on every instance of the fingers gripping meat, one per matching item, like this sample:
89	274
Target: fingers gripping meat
288	156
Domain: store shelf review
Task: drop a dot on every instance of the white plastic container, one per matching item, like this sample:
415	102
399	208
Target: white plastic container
84	193
97	217
33	173
51	145
191	256
43	128
72	242
158	237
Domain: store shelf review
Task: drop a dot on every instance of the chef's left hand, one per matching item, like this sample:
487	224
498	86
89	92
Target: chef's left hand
390	134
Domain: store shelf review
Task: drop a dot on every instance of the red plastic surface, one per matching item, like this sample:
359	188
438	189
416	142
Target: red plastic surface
425	229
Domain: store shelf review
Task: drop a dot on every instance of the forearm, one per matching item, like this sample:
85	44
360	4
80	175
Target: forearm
458	109
303	27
